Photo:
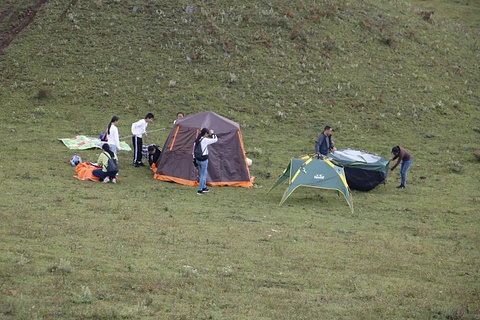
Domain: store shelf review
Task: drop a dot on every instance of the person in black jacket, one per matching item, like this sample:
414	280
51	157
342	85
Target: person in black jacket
154	153
325	143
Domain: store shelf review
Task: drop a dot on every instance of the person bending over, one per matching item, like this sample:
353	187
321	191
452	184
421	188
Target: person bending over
154	153
406	159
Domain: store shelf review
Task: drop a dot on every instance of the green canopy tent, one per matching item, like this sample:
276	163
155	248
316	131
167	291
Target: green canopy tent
314	173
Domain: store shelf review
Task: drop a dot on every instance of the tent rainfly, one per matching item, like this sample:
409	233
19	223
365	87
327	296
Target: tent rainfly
227	165
364	171
314	173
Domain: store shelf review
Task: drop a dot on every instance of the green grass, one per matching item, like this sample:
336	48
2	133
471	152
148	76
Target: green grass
375	70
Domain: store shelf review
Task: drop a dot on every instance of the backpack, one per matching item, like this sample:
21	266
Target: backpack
198	152
104	136
74	160
111	164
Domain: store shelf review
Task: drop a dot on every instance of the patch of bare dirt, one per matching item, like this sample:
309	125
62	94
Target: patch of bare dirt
28	17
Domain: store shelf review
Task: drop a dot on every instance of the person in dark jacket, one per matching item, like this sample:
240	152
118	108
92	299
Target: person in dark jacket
406	159
325	143
154	153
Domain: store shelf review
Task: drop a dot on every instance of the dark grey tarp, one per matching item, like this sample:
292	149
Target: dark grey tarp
363	170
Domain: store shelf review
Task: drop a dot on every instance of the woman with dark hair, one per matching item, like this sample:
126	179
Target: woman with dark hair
180	115
112	135
403	156
106	174
200	153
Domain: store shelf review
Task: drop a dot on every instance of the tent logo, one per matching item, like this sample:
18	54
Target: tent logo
319	176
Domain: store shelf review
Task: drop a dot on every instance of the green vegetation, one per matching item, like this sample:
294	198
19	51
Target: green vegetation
377	71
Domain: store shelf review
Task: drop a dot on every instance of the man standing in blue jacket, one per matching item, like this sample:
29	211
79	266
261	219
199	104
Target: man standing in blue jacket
325	143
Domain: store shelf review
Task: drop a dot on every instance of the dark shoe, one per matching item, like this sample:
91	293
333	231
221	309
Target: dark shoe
401	187
200	193
136	165
141	164
205	190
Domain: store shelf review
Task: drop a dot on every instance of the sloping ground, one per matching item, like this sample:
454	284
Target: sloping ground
463	14
360	60
378	71
18	20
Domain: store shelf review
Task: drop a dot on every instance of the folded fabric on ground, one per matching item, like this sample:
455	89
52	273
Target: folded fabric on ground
85	171
84	142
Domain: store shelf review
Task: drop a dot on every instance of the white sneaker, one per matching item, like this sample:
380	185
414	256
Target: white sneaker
114	180
106	180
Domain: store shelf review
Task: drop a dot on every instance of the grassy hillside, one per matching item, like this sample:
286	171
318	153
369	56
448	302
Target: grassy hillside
379	72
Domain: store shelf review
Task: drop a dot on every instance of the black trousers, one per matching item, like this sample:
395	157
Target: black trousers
137	150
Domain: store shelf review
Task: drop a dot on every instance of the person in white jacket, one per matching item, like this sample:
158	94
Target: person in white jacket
139	129
204	139
113	136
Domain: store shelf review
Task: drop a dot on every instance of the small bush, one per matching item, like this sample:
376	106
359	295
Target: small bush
454	166
43	94
476	154
85	297
255	152
23	260
388	41
189	271
412	34
430	135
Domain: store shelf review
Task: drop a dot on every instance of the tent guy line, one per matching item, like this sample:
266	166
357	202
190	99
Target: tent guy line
161	129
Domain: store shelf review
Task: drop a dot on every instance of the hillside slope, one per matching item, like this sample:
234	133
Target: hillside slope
359	64
382	73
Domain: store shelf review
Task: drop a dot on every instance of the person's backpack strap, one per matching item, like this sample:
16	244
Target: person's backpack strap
104	136
200	141
111	163
106	164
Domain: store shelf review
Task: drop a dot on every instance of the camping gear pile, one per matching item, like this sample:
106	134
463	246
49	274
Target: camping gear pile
227	161
85	171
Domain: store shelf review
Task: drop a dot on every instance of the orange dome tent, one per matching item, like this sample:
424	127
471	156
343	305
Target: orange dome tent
227	165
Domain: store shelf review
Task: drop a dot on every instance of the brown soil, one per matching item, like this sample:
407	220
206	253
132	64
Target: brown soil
8	37
8	11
